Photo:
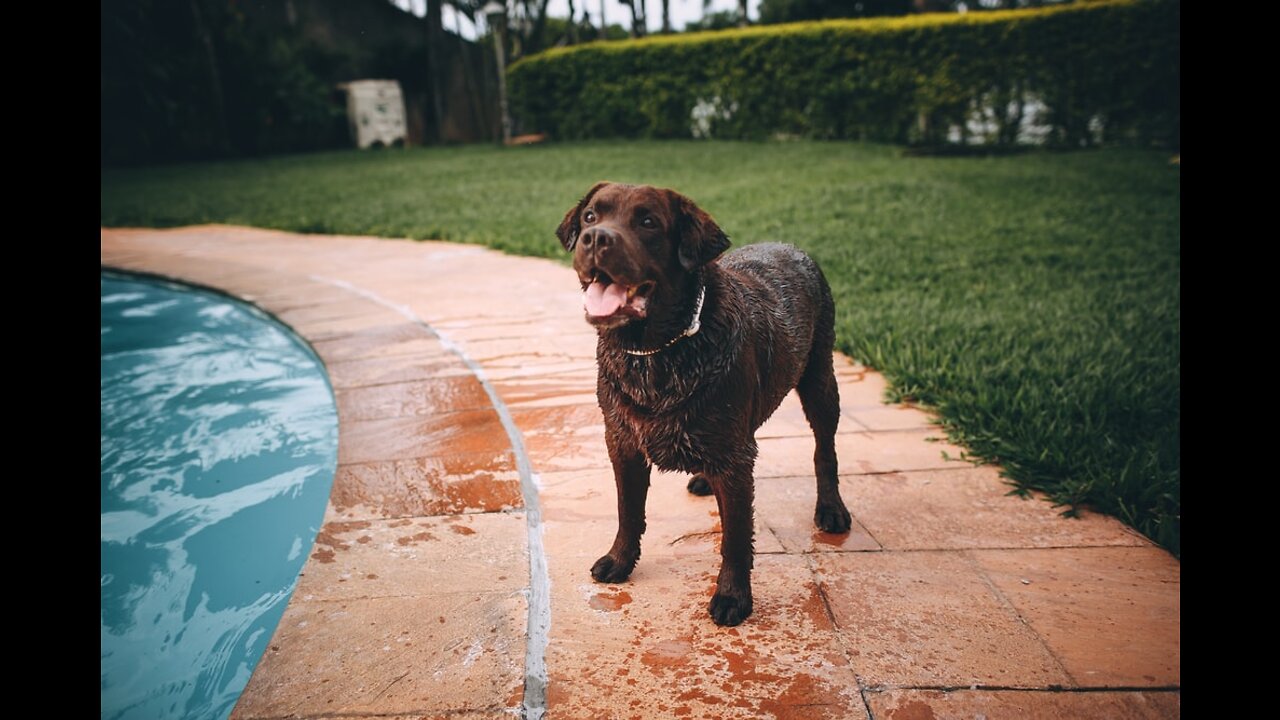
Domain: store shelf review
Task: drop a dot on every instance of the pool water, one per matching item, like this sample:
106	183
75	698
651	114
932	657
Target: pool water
219	445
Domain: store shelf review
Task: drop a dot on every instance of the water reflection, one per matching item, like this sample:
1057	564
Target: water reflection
218	439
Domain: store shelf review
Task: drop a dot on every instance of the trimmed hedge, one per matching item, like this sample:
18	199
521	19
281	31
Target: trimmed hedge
1081	73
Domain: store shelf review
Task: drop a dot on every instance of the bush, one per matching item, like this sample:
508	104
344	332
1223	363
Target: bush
1076	74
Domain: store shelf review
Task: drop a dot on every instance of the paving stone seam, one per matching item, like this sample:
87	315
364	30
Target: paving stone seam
487	711
788	435
891	431
609	469
481	321
348	388
865	529
1146	543
516	374
500	511
518	355
1010	607
408	596
1059	689
836	635
887	431
533	373
866	703
956	550
950	469
366	358
538	628
846	417
360	463
891	551
860	474
401	416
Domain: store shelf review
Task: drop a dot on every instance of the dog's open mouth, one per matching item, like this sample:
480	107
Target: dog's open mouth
605	298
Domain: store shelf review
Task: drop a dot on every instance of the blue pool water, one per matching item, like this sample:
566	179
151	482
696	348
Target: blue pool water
219	444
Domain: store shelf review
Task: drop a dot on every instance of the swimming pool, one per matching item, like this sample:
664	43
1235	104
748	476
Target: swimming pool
219	445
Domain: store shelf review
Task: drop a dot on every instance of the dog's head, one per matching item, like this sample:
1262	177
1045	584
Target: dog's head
635	249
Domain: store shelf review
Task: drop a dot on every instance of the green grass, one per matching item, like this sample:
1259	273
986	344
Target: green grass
1033	300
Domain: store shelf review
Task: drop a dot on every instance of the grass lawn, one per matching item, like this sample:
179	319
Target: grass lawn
1032	299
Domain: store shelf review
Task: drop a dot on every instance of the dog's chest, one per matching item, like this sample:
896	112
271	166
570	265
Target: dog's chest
667	443
663	416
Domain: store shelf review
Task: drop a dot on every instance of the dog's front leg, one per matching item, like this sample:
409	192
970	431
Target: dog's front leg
631	474
735	495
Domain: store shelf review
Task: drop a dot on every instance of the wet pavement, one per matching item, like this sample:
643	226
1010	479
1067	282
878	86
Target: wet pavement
450	577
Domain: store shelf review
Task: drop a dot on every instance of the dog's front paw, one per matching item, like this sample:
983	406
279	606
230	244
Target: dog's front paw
730	609
832	518
609	570
698	485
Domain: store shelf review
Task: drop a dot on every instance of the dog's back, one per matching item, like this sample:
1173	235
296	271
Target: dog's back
789	314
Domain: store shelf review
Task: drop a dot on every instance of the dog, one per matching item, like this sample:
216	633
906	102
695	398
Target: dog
695	352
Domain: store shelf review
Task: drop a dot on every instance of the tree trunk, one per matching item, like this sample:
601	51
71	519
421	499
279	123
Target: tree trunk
637	16
742	13
468	77
435	66
666	16
539	27
635	19
221	140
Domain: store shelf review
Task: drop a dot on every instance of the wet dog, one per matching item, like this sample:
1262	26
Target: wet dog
695	352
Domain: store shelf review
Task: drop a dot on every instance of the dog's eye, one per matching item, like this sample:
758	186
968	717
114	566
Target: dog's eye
588	217
649	223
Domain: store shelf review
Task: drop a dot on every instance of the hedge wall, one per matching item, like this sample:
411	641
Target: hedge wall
1073	74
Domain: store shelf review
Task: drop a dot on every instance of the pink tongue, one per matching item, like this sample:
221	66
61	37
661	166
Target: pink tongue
600	300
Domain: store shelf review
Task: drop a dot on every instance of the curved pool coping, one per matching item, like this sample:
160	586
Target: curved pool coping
299	345
254	288
468	430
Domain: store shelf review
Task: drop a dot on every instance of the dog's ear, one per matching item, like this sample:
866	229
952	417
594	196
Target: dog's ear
701	240
570	227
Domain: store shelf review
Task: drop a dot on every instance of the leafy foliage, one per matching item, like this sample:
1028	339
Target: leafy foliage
1104	72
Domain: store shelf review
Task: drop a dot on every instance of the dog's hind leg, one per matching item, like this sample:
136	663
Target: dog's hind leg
820	397
698	485
734	493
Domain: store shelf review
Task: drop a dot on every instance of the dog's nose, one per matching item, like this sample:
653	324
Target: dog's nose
599	237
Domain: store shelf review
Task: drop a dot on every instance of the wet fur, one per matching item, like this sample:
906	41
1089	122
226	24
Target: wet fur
767	327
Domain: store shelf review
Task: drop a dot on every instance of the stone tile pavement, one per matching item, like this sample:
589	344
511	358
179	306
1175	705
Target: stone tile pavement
450	578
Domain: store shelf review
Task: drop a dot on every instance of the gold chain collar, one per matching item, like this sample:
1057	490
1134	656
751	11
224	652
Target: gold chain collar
690	331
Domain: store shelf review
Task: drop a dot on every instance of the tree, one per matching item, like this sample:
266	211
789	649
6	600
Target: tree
722	20
222	141
638	21
536	34
435	70
782	11
572	32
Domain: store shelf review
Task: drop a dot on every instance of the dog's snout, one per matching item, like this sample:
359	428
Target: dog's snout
599	237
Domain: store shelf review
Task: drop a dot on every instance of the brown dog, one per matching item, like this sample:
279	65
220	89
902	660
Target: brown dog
694	355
